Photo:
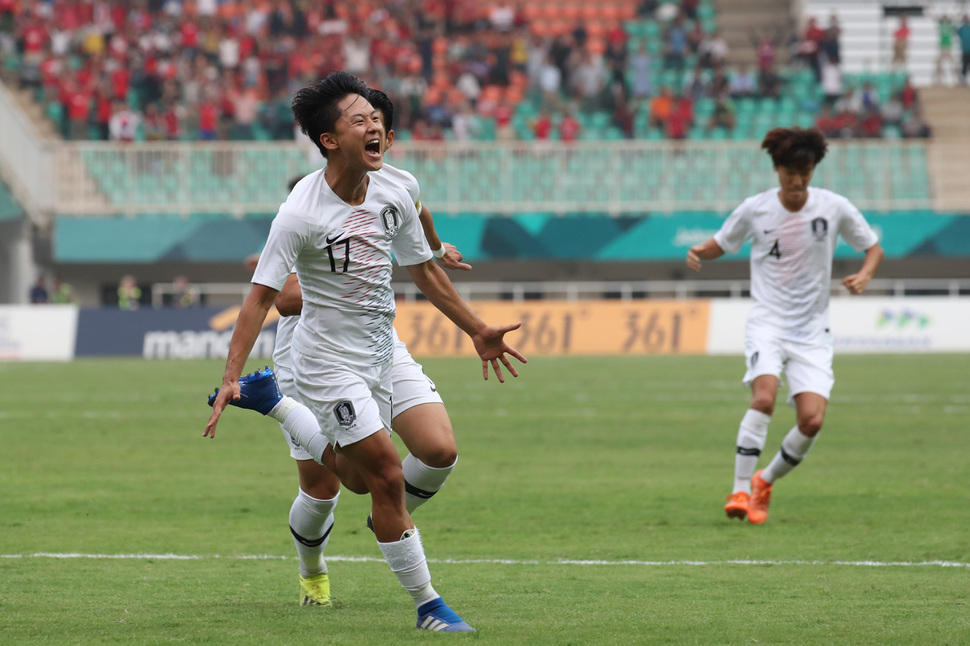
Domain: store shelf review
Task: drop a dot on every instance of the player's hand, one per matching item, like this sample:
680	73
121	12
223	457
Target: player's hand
856	283
453	258
693	260
228	392
492	348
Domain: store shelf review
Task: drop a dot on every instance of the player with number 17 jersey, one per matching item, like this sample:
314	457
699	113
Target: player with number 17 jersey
342	256
791	258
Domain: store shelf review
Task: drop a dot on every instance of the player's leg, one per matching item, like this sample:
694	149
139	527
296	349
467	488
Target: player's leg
311	521
422	423
311	514
753	431
377	460
260	391
764	363
426	431
752	436
353	406
810	409
810	379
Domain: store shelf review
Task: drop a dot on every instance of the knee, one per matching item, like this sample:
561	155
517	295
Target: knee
810	425
324	489
763	404
440	457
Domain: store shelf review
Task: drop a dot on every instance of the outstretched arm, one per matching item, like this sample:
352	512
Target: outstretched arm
244	336
452	258
707	250
856	283
488	339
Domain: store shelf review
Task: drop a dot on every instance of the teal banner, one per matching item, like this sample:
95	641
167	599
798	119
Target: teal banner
526	236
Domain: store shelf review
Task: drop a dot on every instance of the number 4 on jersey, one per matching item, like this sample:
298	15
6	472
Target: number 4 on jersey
775	251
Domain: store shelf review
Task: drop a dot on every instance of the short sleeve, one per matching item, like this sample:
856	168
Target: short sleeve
736	229
854	229
414	189
410	247
287	236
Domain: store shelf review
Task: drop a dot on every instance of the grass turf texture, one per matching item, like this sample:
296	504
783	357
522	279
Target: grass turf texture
605	460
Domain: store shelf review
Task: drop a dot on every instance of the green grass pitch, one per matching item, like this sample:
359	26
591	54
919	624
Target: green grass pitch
585	509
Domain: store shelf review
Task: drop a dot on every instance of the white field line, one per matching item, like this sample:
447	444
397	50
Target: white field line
373	559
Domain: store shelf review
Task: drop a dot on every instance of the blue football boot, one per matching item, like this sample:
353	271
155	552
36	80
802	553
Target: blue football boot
258	391
438	617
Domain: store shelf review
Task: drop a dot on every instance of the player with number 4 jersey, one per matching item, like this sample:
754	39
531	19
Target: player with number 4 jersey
793	231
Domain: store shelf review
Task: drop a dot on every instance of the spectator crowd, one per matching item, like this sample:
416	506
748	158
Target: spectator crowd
463	69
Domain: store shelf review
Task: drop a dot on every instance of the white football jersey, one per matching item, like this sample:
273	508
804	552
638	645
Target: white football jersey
791	257
342	256
405	179
287	324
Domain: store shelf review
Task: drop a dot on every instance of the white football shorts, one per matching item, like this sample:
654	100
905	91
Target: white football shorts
410	385
349	404
807	366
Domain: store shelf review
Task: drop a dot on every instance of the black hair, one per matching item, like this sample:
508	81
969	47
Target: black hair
315	106
795	147
294	181
383	104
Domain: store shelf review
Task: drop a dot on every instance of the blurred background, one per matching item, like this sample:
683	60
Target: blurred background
569	149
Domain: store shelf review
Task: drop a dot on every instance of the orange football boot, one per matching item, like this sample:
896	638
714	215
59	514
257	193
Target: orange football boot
760	499
737	505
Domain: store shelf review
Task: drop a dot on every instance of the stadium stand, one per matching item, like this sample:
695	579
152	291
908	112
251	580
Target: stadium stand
549	108
176	71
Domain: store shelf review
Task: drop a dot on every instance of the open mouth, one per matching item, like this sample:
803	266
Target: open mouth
373	147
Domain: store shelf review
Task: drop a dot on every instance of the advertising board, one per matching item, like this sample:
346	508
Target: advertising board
37	332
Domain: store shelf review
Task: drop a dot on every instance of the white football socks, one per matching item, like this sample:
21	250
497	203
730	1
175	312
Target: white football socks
794	448
299	422
407	561
311	520
752	435
421	481
283	408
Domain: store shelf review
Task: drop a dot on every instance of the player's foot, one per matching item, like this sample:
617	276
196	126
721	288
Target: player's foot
258	391
438	617
737	505
315	590
760	499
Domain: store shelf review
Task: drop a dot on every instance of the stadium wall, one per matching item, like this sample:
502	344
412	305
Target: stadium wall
549	328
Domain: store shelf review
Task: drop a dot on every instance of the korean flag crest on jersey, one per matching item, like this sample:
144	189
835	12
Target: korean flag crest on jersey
820	228
391	220
345	413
